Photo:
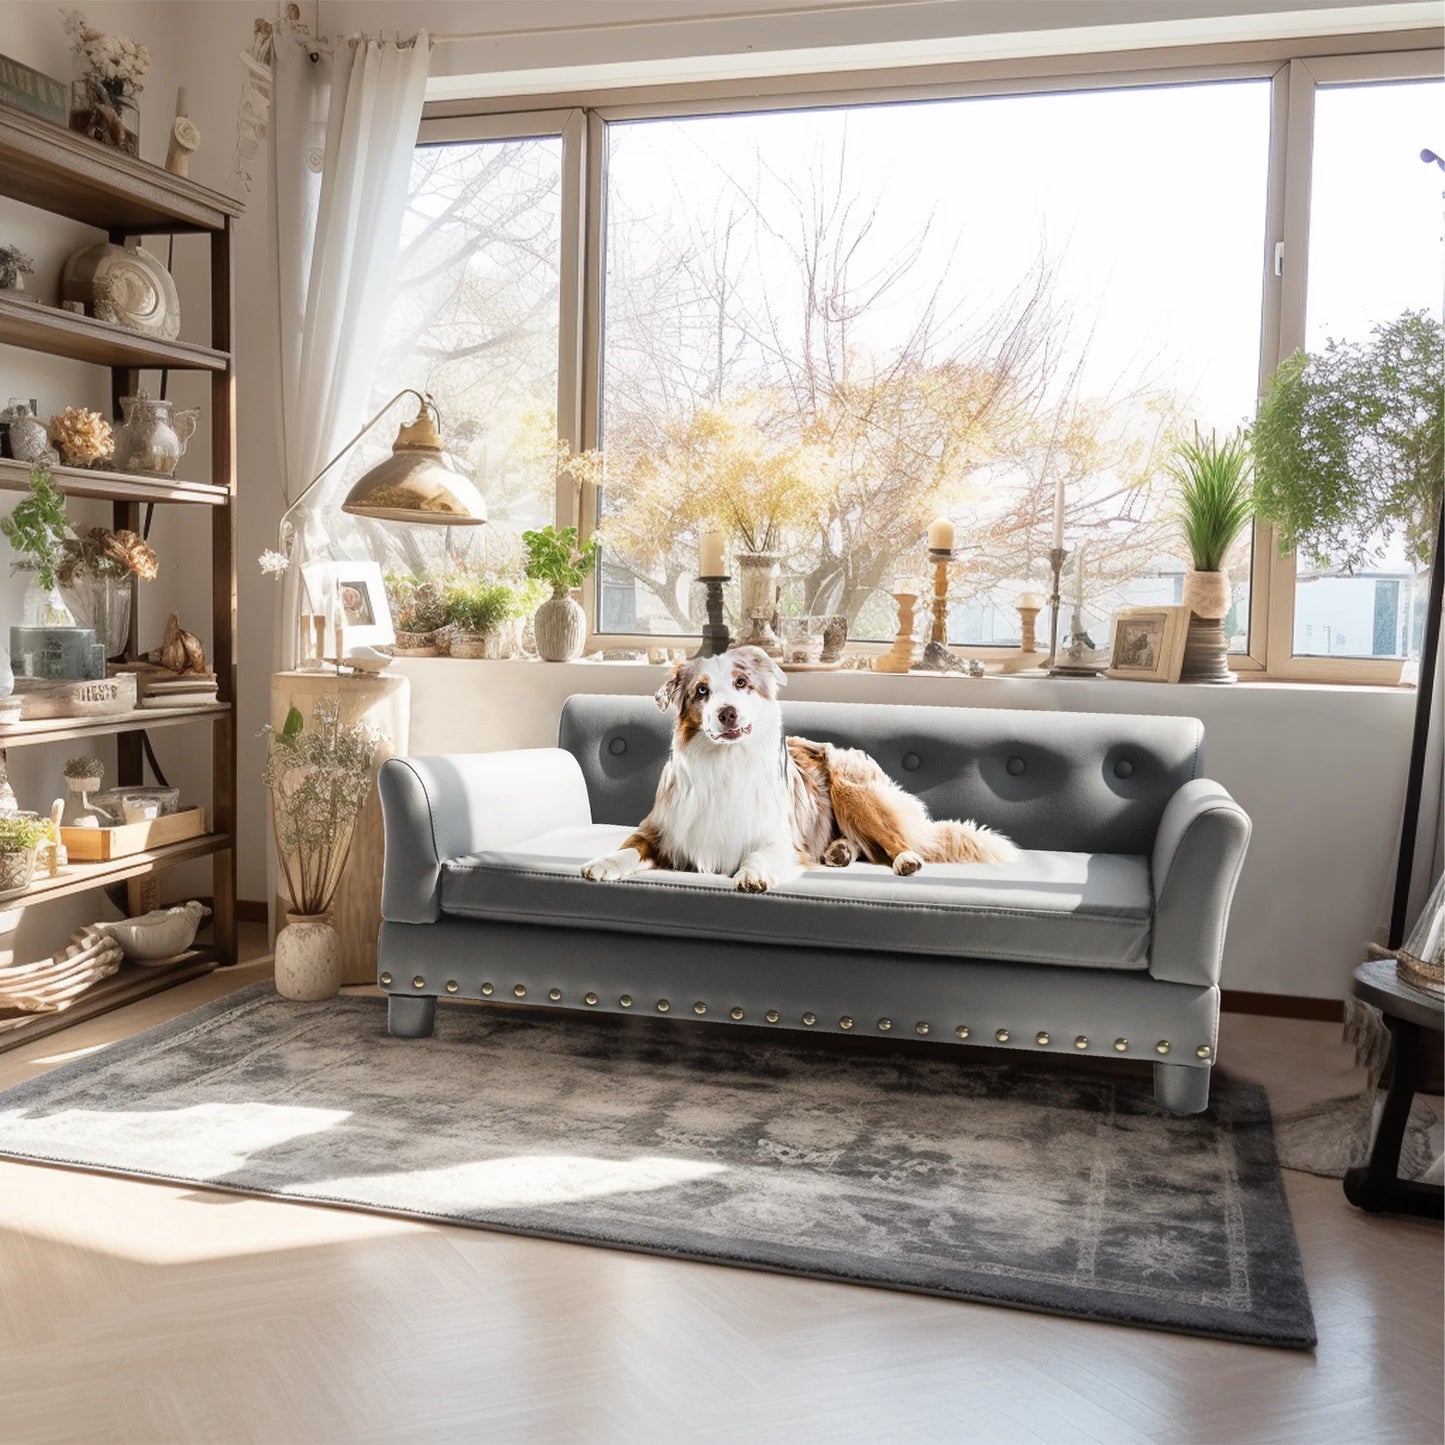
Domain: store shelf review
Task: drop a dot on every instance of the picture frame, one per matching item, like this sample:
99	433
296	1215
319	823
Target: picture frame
356	590
1147	644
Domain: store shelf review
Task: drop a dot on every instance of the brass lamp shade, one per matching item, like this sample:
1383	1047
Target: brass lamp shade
414	484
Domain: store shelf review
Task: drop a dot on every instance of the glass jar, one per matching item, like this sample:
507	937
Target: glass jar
105	113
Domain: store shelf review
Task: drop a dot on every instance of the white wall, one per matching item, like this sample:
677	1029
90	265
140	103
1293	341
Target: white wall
1320	771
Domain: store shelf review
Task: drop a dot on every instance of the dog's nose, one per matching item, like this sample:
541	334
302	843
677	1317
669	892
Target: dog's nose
727	718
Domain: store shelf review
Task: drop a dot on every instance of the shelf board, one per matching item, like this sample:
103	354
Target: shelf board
129	983
81	877
114	486
37	327
66	729
45	165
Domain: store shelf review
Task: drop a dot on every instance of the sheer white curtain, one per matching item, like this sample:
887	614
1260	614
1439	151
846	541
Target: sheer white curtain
345	123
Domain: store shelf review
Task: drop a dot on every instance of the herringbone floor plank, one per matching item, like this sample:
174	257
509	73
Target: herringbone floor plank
151	1313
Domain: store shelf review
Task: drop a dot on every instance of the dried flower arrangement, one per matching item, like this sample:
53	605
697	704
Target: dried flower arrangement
103	553
117	63
318	778
83	437
14	264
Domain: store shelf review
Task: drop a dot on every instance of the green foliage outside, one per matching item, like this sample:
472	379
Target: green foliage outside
556	558
1349	445
36	528
1215	504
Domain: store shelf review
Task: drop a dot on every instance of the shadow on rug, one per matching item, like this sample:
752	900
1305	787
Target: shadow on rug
1054	1190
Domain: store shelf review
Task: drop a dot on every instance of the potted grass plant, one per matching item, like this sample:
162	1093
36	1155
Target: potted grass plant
1215	497
21	834
485	617
554	557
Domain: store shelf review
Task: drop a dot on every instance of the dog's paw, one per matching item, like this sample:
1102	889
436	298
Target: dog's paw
839	853
749	879
605	869
906	863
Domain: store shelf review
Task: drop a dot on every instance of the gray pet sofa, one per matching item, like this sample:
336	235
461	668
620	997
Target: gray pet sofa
1103	937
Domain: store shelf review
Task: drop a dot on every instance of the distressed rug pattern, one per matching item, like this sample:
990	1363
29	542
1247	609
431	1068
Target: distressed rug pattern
1052	1190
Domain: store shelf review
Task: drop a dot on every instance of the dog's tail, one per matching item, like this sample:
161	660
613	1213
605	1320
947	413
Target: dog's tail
946	841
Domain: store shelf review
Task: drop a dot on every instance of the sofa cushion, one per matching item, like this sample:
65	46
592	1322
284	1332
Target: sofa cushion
1090	909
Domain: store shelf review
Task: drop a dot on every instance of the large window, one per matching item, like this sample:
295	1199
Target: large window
839	324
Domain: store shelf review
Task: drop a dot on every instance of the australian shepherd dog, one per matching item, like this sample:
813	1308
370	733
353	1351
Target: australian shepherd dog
739	798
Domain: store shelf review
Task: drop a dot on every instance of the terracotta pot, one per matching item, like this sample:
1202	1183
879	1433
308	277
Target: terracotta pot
561	629
1208	594
308	958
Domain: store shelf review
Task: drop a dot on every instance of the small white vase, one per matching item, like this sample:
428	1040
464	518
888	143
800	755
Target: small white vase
308	958
561	629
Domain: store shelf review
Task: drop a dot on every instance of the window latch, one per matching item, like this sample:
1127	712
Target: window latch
1279	258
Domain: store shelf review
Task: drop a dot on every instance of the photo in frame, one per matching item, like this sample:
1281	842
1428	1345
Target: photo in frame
1148	643
355	591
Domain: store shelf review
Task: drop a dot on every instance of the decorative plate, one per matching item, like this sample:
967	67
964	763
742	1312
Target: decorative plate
124	285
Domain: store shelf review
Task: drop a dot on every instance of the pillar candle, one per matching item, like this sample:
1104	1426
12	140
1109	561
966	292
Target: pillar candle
1059	515
940	535
710	552
1031	599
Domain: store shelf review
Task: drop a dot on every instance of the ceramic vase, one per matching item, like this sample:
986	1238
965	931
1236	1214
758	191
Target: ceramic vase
79	812
308	958
1207	594
16	871
759	574
561	629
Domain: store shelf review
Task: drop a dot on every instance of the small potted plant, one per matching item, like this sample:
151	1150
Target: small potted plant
486	618
555	558
419	612
83	776
21	834
36	530
1215	504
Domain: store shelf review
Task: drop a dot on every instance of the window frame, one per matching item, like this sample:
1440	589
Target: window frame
1294	69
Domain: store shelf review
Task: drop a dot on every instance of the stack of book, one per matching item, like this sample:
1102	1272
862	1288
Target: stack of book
160	687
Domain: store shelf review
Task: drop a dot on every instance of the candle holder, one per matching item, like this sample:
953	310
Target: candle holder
1028	628
941	558
1057	557
900	657
715	638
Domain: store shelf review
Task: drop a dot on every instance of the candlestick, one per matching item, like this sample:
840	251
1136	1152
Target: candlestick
1079	577
711	550
900	657
1029	607
940	557
1059	515
715	638
940	535
1057	556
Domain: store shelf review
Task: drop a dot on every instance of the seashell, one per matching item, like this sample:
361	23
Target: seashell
158	936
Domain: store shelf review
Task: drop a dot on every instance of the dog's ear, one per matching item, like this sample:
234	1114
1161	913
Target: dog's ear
761	668
670	692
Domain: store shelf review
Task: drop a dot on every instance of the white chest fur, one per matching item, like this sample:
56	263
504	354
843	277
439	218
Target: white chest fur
726	803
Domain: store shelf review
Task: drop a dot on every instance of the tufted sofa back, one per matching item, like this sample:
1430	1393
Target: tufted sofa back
1072	782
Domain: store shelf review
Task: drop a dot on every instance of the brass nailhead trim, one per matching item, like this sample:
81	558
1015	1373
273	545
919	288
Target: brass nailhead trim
735	1013
885	1024
418	982
487	988
555	994
962	1031
810	1019
1081	1042
771	1015
520	990
845	1022
1202	1051
699	1007
663	1005
626	1000
1041	1039
1002	1036
1121	1046
921	1027
591	998
1162	1047
452	985
386	978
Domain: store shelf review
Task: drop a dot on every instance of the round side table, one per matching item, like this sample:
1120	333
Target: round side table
1377	1186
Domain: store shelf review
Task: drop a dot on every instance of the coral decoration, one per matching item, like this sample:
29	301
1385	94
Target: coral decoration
82	437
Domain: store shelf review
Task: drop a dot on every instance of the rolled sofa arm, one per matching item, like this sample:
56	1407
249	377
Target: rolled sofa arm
1198	853
437	808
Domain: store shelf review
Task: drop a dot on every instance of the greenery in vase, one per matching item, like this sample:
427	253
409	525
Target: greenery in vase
417	605
1349	441
479	606
554	557
22	832
319	778
1215	495
84	768
36	528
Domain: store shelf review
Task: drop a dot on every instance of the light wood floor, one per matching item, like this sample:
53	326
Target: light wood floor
138	1312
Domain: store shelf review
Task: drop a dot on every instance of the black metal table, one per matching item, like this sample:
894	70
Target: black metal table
1377	1186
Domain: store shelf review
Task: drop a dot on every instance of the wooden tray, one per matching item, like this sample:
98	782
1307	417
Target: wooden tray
100	845
41	697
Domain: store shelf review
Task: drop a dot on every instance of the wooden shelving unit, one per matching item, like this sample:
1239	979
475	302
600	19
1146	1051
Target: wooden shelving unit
51	168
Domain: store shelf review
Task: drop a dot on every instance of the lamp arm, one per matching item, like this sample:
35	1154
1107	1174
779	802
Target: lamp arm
286	533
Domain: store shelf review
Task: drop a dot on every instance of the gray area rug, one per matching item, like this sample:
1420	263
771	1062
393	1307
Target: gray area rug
1049	1190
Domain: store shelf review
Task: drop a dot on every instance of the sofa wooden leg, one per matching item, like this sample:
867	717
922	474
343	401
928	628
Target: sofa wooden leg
410	1017
1178	1088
